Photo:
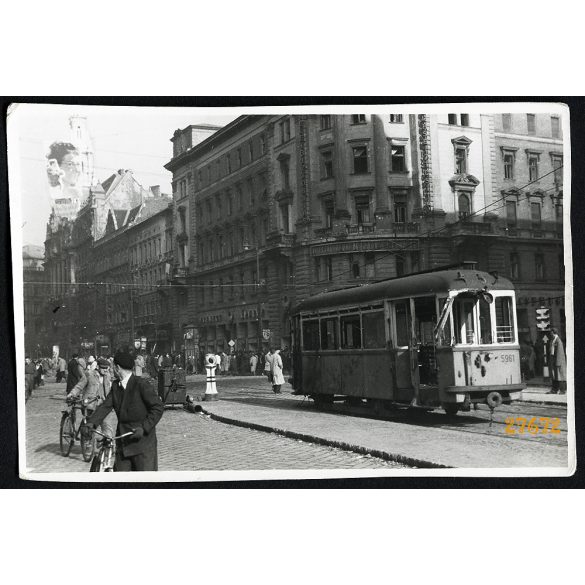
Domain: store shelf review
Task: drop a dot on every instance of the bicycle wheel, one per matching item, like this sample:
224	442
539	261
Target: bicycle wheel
87	446
66	434
96	462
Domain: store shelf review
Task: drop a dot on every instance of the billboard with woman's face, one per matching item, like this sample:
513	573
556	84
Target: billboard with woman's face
64	173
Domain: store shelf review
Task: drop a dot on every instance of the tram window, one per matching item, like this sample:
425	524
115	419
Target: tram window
329	333
351	333
504	322
485	322
402	324
445	332
374	332
311	335
425	319
464	321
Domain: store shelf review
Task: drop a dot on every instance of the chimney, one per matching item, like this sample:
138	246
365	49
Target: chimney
155	190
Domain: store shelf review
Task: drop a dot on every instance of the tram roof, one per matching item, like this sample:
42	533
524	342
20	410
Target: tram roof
407	286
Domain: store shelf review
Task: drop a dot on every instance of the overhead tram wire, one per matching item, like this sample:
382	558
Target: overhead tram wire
407	247
430	233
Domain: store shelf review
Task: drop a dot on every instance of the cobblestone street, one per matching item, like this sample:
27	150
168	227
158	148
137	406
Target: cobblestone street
187	442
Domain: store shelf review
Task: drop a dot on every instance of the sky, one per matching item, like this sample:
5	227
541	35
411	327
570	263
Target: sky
136	138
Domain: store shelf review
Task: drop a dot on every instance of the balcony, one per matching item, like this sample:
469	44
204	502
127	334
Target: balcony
361	228
546	230
472	228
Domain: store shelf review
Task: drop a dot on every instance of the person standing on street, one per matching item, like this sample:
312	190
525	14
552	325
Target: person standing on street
61	369
29	377
139	408
253	364
558	364
139	365
75	372
277	375
268	364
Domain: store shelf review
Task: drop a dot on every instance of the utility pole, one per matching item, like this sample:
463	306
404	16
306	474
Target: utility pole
257	286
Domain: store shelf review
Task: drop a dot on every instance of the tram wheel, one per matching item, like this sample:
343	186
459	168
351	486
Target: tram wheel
451	408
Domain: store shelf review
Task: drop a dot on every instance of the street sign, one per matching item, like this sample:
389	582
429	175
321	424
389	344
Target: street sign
231	343
266	333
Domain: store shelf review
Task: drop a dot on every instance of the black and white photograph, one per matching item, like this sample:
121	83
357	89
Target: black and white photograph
295	292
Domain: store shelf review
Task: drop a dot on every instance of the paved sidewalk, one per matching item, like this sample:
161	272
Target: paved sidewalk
539	394
248	401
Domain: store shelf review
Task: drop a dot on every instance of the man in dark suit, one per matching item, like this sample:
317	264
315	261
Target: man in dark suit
139	409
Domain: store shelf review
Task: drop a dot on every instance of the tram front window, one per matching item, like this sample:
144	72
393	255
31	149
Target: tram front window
485	323
464	320
504	320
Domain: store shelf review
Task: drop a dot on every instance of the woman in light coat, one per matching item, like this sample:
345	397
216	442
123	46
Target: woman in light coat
277	377
558	364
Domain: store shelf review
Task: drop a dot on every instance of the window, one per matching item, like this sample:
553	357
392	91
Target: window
354	264
250	147
531	123
506	122
239	199
351	333
557	163
326	164
328	212
285	173
285	218
239	157
485	322
398	159
262	144
504	320
285	130
329	338
374	331
360	159
511	217
464	119
396	119
464	320
218	206
230	203
400	208
400	263
358	119
329	268
452	119
370	265
251	193
460	160
508	165
362	209
325	122
533	167
555	127
539	266
535	216
559	213
402	324
514	266
464	206
311	335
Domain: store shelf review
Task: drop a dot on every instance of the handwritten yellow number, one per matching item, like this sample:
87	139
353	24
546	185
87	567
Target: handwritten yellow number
546	422
533	426
521	429
556	422
510	430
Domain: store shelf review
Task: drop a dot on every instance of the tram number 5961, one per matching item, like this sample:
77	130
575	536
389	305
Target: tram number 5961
508	357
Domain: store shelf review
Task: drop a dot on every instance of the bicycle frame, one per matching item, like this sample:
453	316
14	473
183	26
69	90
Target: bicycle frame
107	454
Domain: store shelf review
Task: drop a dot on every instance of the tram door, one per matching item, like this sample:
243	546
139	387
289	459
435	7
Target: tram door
405	363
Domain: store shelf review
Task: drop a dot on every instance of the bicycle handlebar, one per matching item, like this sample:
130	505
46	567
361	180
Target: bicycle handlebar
113	438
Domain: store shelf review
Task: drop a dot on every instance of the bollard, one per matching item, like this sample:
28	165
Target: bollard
210	367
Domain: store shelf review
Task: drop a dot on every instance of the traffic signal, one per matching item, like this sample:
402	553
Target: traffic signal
543	319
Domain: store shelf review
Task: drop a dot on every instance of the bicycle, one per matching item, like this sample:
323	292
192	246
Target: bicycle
106	457
68	433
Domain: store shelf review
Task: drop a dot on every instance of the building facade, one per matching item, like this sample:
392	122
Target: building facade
34	298
276	208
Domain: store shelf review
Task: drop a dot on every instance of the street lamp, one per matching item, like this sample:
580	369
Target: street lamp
258	284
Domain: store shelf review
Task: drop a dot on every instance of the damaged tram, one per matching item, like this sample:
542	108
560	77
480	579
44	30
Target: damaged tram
445	338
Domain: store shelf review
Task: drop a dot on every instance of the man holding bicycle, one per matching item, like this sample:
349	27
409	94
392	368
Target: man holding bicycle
94	388
139	409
